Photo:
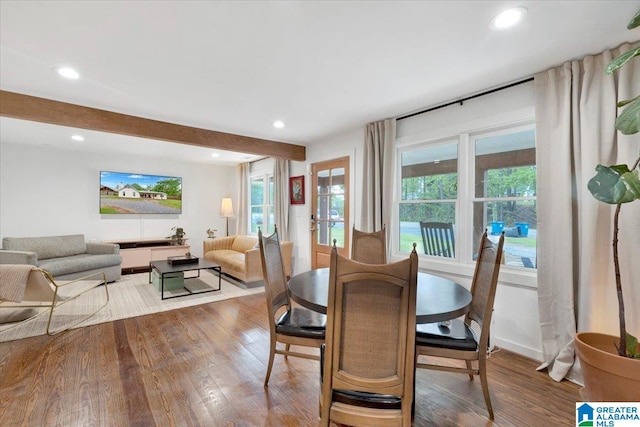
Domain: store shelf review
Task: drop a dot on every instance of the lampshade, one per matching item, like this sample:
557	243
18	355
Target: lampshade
226	208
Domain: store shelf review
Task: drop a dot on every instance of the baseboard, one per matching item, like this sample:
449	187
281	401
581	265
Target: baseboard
519	349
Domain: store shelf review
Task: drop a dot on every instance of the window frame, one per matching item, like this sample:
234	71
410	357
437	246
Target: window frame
456	202
267	205
465	133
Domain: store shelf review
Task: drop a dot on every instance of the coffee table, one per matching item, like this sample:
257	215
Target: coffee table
163	268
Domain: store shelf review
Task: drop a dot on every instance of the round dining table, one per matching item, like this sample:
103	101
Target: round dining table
438	299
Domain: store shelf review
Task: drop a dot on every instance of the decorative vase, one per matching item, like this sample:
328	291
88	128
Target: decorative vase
608	377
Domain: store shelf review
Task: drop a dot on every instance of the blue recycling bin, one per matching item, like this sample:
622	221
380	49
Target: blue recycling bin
523	228
497	227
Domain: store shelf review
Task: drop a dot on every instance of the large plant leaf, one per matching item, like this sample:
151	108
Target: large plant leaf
635	22
615	184
628	122
628	101
621	60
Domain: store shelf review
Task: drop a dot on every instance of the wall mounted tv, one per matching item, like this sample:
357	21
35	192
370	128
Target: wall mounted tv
135	193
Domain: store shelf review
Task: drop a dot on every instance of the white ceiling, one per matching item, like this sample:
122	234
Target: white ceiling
322	67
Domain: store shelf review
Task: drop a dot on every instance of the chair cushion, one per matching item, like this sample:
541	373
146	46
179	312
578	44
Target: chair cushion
301	322
227	258
457	336
76	263
367	400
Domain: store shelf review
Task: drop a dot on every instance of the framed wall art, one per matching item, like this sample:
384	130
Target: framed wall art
296	190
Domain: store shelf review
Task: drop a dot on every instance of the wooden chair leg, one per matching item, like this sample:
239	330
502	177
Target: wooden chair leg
272	354
485	387
469	367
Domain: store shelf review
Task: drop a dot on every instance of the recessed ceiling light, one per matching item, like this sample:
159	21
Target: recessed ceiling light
67	72
278	124
77	138
508	18
215	155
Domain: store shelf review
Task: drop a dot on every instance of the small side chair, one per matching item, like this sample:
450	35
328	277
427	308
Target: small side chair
37	289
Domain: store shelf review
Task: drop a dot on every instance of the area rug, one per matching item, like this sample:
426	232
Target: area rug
130	296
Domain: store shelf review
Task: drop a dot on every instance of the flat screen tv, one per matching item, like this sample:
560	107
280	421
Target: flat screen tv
136	193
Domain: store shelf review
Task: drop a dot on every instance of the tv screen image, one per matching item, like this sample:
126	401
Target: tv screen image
135	193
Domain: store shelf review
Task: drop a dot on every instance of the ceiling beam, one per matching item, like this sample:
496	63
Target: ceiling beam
19	106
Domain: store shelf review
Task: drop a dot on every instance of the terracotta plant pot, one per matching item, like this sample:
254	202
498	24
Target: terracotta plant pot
607	376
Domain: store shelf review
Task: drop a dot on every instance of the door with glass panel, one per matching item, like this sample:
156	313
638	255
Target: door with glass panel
329	210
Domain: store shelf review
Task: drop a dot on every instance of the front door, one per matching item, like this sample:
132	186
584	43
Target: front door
330	210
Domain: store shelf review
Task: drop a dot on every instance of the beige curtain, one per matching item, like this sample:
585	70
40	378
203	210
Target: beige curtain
575	130
280	197
377	175
244	192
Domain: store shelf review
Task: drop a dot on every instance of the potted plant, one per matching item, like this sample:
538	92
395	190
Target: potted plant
611	365
178	235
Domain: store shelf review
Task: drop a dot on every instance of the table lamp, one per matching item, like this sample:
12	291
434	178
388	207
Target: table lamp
226	210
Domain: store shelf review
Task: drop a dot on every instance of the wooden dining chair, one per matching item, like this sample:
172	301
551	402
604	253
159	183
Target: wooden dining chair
459	339
438	239
287	325
370	248
368	361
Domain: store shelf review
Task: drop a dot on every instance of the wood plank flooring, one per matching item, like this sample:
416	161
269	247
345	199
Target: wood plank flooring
205	365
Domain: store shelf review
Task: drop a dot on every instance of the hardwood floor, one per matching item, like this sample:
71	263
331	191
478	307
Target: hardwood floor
205	365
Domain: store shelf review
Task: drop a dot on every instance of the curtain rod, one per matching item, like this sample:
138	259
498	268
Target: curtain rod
460	101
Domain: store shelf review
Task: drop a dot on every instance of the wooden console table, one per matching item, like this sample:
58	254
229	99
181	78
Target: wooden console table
138	253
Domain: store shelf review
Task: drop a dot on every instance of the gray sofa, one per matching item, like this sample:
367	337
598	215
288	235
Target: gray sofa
65	257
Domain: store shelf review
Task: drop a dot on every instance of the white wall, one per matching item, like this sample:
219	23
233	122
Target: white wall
46	191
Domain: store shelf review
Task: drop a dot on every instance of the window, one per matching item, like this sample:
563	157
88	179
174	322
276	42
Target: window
262	204
479	180
429	190
330	193
505	192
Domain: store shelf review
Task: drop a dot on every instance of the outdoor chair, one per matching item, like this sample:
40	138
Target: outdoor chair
438	239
